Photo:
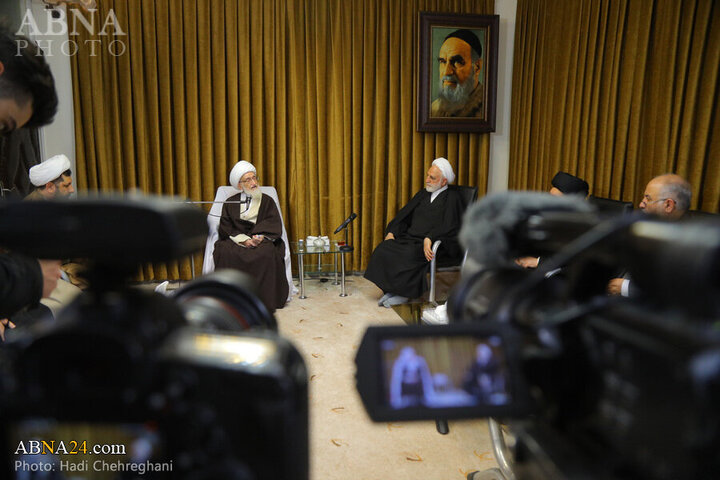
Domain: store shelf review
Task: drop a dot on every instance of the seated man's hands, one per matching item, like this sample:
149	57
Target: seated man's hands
5	324
614	287
254	241
427	249
390	236
528	262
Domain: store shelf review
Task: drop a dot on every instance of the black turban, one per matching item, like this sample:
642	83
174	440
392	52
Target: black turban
468	37
568	184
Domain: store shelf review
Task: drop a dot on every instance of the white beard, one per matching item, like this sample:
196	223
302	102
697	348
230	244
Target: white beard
432	188
254	193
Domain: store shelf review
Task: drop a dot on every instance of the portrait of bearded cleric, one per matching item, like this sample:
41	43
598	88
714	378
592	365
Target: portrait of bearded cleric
457	75
459	91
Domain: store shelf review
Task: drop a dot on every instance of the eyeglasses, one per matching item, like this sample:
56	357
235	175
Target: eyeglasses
250	180
648	199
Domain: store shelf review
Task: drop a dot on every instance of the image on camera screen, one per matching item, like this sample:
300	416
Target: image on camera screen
444	372
49	449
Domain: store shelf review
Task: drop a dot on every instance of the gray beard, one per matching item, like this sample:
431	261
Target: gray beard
432	188
458	96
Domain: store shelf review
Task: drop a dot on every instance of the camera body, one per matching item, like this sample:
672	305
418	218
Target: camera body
599	387
128	383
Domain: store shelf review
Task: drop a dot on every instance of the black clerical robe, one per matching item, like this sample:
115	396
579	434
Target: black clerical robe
399	266
266	262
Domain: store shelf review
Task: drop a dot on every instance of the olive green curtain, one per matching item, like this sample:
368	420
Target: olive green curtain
319	94
617	91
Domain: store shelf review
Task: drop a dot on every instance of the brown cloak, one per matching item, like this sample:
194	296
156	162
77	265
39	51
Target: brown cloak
266	262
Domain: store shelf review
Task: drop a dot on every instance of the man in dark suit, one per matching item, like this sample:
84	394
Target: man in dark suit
27	98
666	196
400	263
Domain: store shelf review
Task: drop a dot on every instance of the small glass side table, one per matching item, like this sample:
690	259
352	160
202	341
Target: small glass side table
302	250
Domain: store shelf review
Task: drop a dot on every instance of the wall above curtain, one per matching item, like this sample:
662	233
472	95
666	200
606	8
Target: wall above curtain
617	91
319	94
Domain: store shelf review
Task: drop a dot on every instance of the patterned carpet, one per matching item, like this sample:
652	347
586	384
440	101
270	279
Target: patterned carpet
344	443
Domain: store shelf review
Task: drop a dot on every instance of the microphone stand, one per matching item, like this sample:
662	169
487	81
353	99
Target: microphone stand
346	247
343	250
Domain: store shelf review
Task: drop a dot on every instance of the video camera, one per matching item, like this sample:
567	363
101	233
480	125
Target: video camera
590	385
128	383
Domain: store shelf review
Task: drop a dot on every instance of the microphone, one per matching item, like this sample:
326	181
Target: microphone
346	222
245	202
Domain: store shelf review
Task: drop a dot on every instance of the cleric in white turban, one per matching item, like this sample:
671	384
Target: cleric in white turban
445	167
51	178
399	264
49	170
250	237
238	171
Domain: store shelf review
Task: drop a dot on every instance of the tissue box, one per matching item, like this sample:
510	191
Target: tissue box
313	241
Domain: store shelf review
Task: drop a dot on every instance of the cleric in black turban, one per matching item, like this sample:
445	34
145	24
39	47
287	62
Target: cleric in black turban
568	184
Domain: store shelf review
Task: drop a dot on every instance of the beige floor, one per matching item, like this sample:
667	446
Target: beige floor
344	443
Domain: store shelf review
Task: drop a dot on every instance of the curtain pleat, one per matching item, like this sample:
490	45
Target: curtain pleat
617	91
320	95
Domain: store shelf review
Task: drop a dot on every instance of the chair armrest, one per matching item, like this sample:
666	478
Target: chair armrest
433	267
209	261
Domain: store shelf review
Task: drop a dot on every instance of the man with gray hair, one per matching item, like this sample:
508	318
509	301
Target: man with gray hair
666	196
461	93
399	264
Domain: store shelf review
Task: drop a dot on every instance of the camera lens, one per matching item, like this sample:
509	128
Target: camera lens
224	300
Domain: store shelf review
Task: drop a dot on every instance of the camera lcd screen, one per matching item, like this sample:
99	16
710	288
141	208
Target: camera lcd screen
46	448
441	372
444	372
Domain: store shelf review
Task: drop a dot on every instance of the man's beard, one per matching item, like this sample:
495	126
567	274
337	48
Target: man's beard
458	95
430	188
59	196
254	193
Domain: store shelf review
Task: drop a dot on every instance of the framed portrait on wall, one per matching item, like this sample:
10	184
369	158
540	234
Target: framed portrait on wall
457	76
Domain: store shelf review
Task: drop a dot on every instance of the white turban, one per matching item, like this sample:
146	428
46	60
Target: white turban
49	170
241	168
445	168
